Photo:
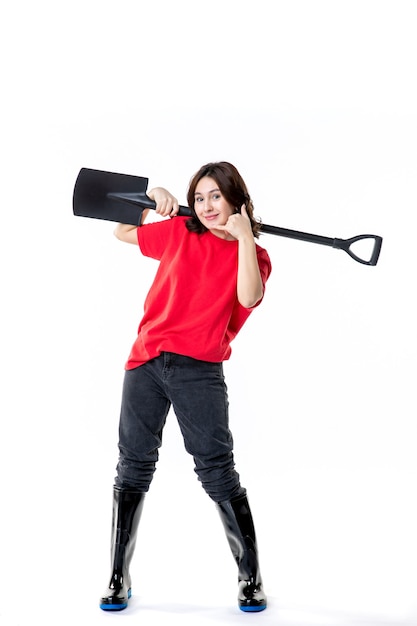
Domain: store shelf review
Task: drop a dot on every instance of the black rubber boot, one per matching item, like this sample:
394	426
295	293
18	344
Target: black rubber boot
127	510
238	523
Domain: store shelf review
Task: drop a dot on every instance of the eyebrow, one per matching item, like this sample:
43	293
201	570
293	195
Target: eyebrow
198	193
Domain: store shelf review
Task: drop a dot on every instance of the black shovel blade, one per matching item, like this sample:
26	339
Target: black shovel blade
110	196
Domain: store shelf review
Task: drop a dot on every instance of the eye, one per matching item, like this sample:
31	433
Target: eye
199	199
216	196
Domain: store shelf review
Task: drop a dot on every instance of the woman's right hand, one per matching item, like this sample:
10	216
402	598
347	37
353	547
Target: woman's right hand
166	203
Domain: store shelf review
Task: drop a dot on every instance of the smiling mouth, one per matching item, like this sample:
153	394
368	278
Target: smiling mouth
211	217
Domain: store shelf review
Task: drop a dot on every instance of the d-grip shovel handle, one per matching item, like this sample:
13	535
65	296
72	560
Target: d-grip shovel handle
344	244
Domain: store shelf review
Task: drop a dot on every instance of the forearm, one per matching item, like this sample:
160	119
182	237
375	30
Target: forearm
127	232
249	282
166	205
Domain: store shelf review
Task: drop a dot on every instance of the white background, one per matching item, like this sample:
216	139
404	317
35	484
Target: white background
315	103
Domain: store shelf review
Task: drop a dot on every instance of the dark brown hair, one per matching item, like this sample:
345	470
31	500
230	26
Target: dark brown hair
232	187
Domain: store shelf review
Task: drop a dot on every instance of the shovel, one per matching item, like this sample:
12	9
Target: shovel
122	198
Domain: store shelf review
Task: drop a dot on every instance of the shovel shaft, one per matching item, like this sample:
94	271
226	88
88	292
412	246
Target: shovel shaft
296	234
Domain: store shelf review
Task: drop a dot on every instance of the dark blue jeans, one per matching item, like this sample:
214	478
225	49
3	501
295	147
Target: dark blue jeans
197	392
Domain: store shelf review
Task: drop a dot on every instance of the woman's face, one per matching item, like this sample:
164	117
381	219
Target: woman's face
211	207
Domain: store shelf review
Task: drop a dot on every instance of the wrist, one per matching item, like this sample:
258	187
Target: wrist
246	239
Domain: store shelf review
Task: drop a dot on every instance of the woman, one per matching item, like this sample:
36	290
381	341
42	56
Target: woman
211	276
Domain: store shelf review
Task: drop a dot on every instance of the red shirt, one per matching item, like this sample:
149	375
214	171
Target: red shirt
192	307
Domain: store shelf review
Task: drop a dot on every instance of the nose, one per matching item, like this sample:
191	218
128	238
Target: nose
207	205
